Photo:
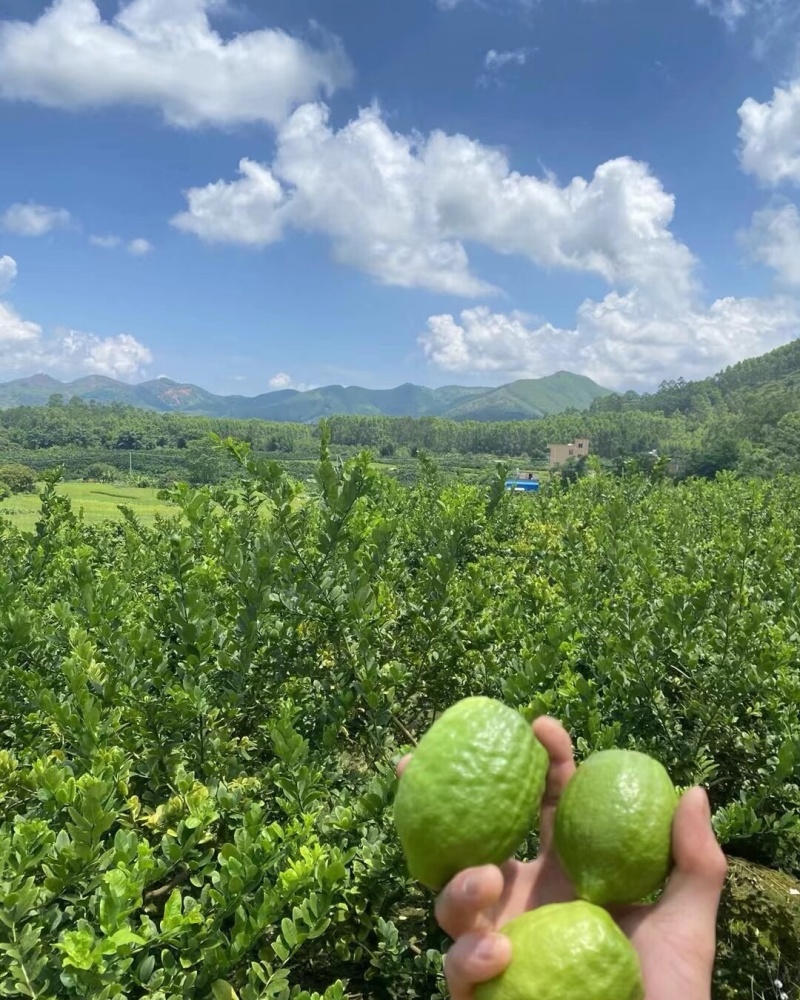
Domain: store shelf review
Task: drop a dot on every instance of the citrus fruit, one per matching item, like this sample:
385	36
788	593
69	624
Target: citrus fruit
471	791
566	951
613	826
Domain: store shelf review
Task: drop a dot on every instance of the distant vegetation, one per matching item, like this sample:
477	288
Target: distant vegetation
523	400
746	419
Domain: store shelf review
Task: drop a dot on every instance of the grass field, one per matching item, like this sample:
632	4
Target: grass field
99	502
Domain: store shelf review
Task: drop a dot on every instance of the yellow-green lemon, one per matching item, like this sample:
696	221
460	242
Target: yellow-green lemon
613	826
566	951
471	792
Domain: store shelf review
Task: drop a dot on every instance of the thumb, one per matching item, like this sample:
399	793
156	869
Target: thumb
696	882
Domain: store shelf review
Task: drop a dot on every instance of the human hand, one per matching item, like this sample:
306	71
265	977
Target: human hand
675	937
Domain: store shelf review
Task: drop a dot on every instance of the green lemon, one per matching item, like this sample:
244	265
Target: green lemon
471	791
613	826
566	951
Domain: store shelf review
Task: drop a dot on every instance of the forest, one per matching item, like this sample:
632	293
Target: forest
745	419
201	718
166	447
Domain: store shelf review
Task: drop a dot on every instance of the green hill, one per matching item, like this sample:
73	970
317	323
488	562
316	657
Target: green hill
523	400
746	417
529	399
735	390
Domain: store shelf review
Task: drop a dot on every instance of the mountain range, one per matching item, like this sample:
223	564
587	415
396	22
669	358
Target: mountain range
525	399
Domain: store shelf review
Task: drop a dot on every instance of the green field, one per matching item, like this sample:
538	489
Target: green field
98	501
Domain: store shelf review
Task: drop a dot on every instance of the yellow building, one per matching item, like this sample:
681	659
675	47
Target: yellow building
560	453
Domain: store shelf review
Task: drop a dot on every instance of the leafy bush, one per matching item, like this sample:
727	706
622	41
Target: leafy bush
18	478
101	472
201	720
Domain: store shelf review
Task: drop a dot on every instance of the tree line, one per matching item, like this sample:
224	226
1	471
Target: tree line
734	421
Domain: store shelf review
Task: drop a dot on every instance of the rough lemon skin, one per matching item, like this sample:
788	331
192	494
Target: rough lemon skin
613	826
566	951
471	791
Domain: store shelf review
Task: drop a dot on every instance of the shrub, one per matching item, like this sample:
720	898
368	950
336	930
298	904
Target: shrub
201	719
18	478
101	472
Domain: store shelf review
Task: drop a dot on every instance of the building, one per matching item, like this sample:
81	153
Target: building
561	453
523	482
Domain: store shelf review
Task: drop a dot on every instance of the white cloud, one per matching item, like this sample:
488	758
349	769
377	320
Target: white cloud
8	272
496	342
771	23
402	208
244	211
620	341
280	381
26	347
730	11
770	136
140	247
15	334
283	381
516	4
106	242
774	239
30	219
495	60
164	54
121	357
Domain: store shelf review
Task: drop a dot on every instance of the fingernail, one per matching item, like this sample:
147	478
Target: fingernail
487	948
471	888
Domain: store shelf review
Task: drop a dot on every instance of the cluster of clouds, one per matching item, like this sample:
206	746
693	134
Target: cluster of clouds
771	21
138	247
33	219
403	208
408	209
769	137
26	346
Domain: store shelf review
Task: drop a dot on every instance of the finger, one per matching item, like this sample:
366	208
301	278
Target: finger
460	906
402	765
696	882
473	959
555	739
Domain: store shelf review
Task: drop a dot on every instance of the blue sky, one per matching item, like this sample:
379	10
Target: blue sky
301	192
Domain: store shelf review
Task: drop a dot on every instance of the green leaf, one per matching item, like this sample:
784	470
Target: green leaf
222	990
125	936
289	932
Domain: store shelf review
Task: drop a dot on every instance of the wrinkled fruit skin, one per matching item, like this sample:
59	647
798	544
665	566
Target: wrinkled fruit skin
471	792
567	951
613	827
